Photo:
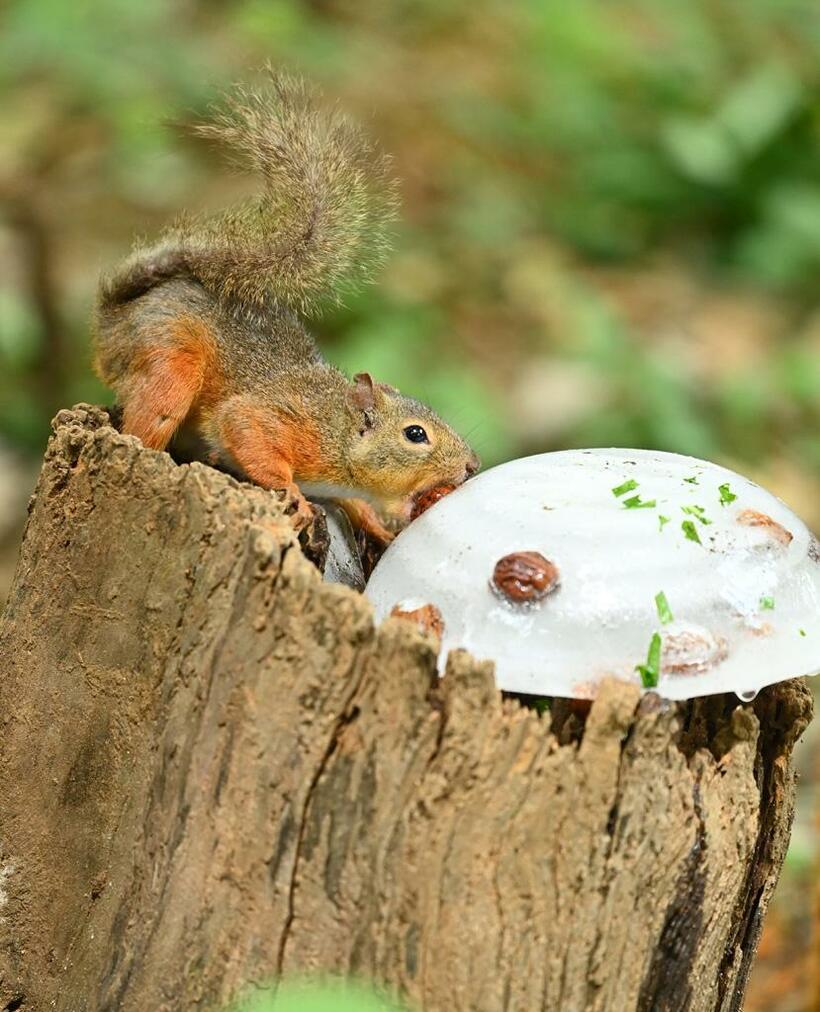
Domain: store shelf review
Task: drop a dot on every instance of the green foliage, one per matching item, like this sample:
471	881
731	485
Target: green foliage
541	705
326	996
650	672
662	607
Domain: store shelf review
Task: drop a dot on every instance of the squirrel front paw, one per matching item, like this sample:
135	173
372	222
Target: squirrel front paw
369	522
378	532
364	518
303	512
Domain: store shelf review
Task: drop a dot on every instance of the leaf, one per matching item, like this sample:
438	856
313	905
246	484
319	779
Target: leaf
323	996
663	609
758	108
627	486
698	512
650	672
636	503
689	530
701	149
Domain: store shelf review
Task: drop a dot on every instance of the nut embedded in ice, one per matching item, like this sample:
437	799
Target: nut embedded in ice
426	617
524	577
776	531
645	543
425	500
689	649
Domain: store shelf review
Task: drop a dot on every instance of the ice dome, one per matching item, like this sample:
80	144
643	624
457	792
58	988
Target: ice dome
660	569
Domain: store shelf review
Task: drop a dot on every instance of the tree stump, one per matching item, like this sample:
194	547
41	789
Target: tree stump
215	771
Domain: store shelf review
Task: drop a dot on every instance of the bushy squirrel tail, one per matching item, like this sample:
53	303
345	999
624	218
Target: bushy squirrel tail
319	227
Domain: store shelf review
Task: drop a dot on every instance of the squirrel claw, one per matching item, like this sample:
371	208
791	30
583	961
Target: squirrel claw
303	513
364	518
379	533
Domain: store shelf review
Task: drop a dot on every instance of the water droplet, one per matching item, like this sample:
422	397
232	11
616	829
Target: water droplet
747	695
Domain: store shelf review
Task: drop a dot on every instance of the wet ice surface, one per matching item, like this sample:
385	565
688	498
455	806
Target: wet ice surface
720	569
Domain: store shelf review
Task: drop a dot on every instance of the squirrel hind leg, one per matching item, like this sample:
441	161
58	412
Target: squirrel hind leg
161	392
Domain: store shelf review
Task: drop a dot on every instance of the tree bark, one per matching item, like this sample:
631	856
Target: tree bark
214	771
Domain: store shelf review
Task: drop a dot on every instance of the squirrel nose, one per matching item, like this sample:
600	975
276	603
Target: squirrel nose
473	464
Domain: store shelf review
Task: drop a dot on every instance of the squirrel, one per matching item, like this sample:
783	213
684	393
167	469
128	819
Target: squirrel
201	332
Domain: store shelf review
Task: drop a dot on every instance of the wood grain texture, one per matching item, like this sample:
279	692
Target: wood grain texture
214	770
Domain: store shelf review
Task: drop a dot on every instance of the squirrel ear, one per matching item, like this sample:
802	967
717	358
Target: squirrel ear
362	396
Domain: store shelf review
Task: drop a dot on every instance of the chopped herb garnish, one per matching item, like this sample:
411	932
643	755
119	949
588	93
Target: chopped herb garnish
664	611
692	481
697	511
726	494
767	603
636	503
662	520
627	486
802	632
650	672
688	528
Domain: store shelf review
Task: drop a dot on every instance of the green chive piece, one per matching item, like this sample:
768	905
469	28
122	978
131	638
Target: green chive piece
650	672
662	520
767	603
627	486
693	480
688	528
698	512
636	503
802	632
726	494
664	611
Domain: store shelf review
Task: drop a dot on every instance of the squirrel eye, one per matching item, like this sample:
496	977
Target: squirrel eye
416	434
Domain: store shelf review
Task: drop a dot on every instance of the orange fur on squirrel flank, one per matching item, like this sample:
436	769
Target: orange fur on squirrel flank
170	380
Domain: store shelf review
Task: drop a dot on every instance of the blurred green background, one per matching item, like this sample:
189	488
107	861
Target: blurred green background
610	229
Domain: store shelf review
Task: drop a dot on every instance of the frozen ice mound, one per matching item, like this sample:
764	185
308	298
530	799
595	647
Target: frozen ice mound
659	569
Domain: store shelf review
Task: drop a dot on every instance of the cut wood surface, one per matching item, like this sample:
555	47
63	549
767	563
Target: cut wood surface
214	770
